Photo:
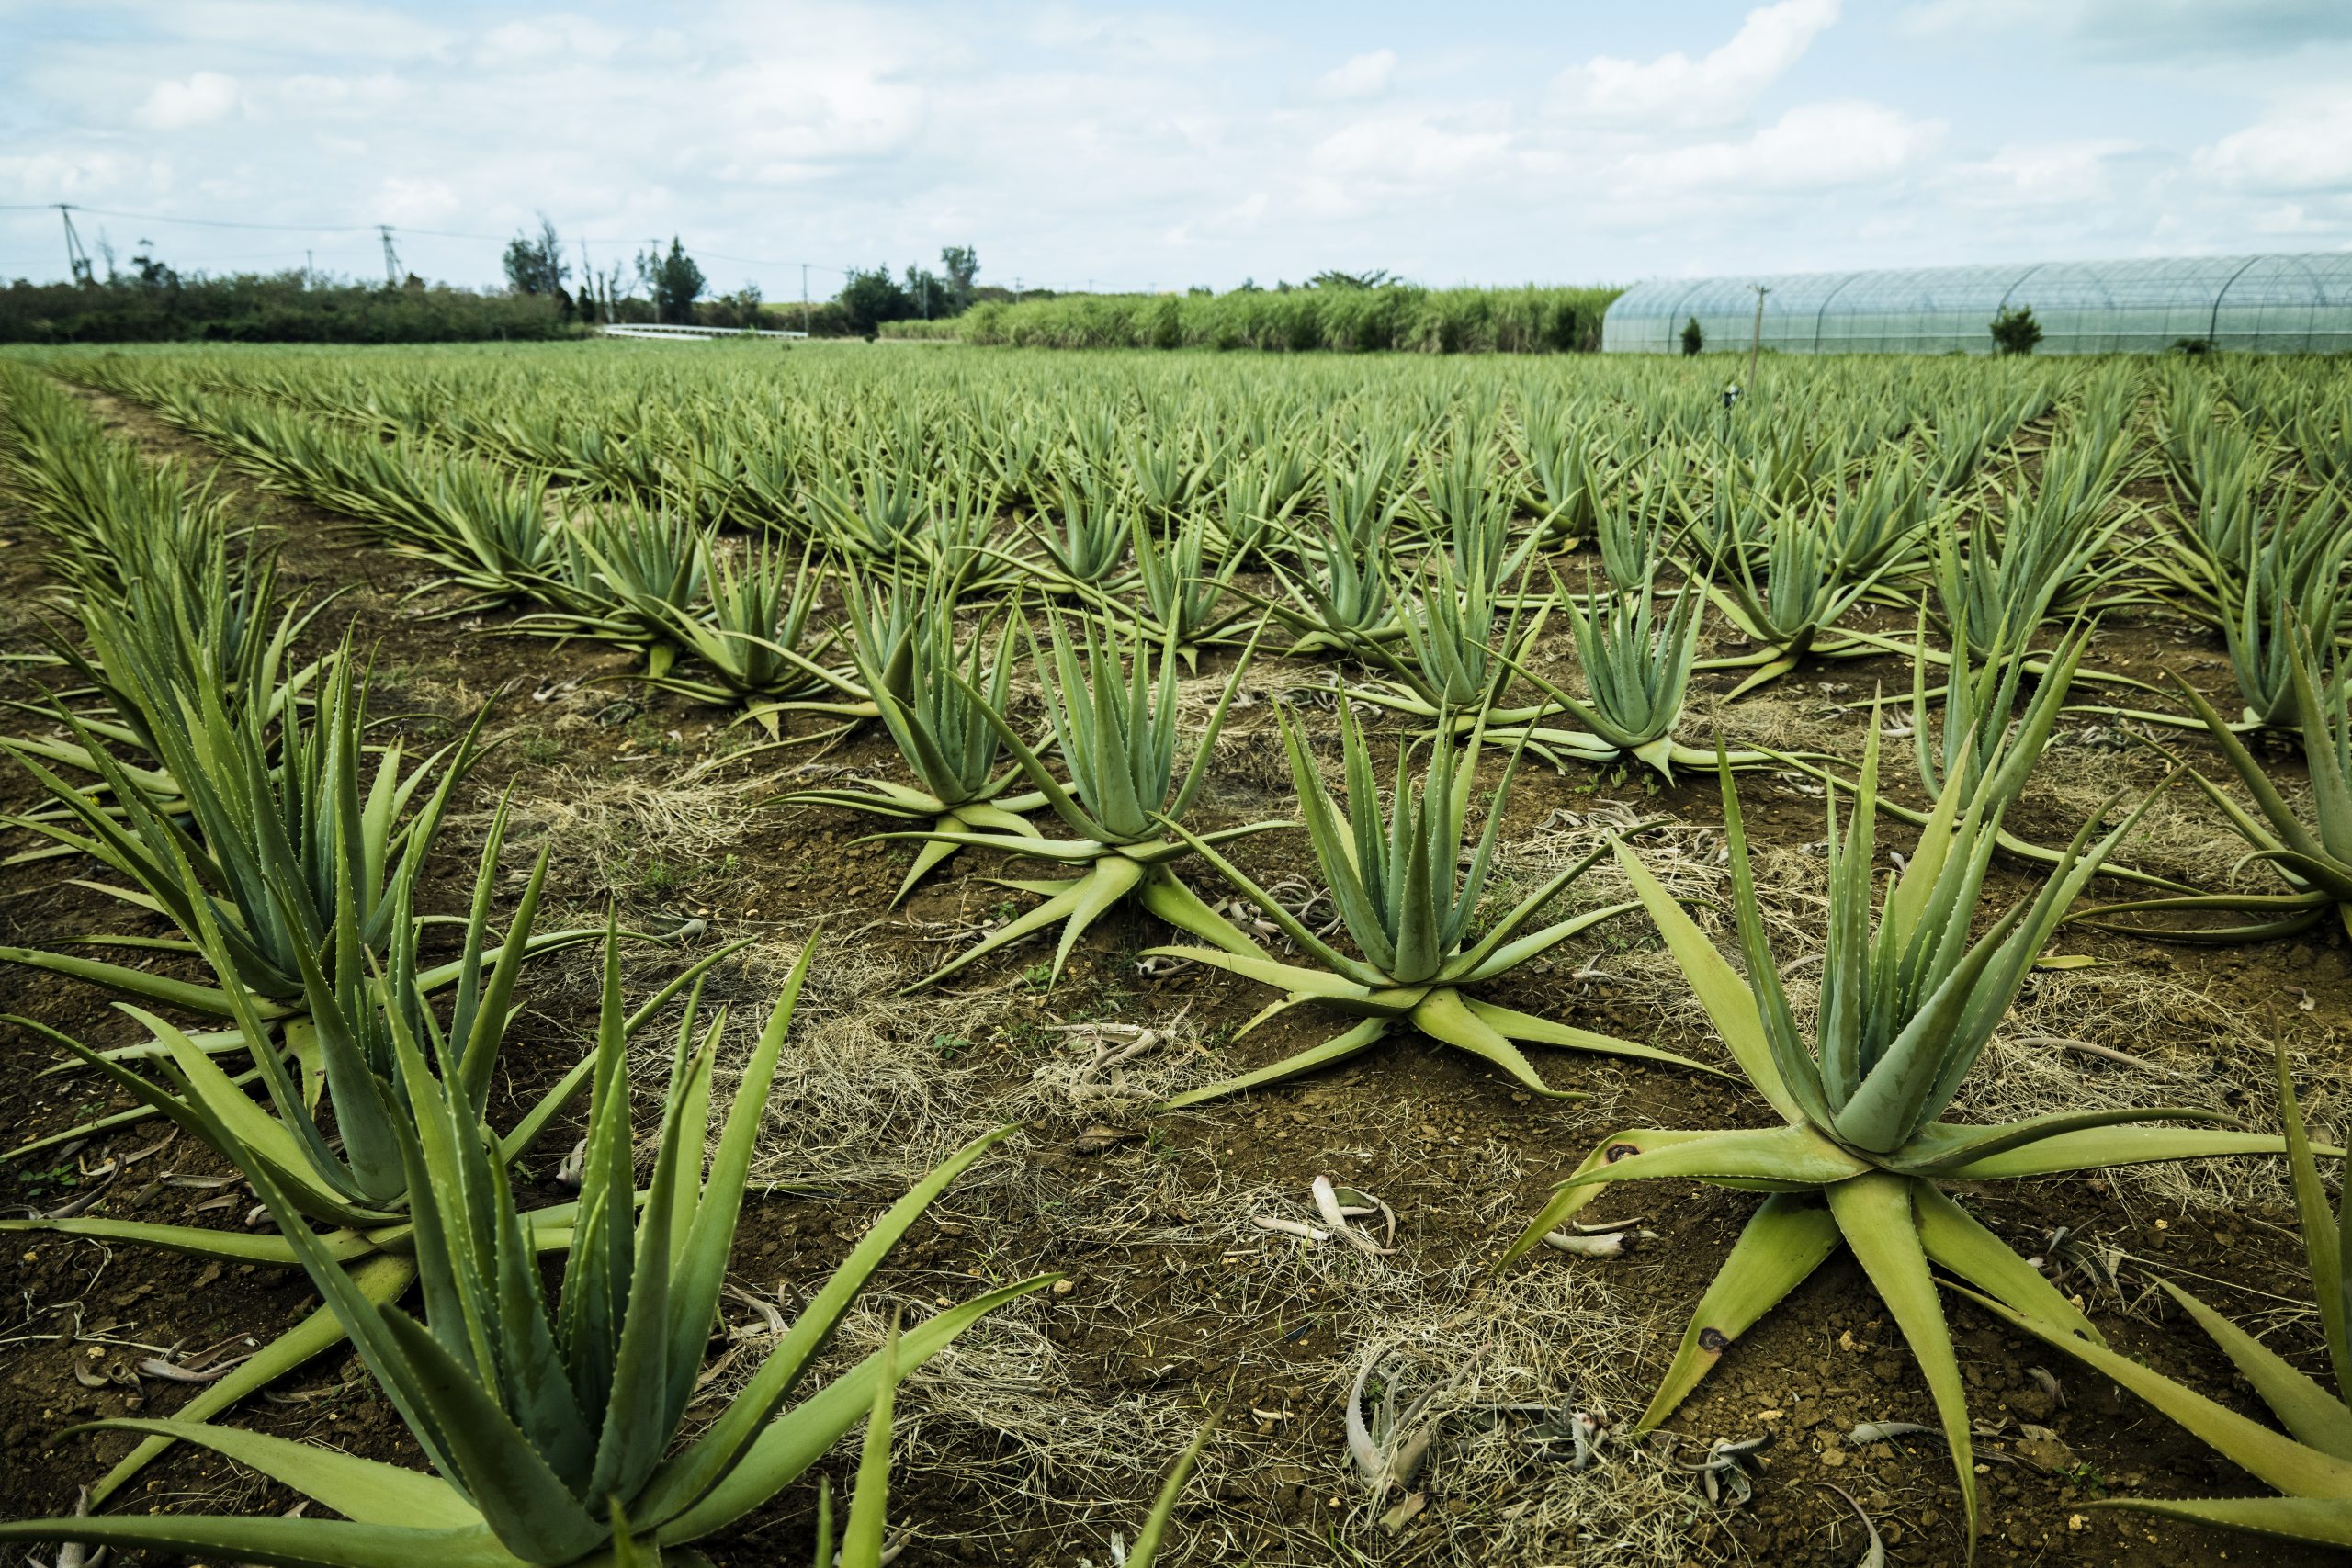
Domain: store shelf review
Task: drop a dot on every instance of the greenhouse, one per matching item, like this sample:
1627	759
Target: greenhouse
2277	304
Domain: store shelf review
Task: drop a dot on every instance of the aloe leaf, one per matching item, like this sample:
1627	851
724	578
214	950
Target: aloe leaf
2269	1456
1941	1147
1164	893
1067	897
279	1542
1339	1048
2119	1146
1284	921
1577	1192
1783	1242
365	1491
688	1478
378	1280
520	1497
1442	1015
1112	879
1311	983
782	1450
2327	1521
2312	1416
1154	1529
1956	1242
1796	1156
191	1241
1874	1213
2324	1234
1730	1004
870	1504
209	1001
1526	1027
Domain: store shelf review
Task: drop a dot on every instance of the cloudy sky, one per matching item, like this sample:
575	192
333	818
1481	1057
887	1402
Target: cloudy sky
1132	147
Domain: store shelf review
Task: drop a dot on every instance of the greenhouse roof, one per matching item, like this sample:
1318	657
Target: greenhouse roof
2275	303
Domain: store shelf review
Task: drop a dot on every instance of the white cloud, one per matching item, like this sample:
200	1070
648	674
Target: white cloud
2043	173
2300	146
537	40
1812	146
1404	158
1718	86
197	100
1362	77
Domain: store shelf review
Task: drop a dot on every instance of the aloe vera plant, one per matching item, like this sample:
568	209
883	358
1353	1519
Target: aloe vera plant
345	1048
1345	601
282	834
1863	1153
1792	614
145	652
1411	908
1638	675
550	1423
2309	1463
1090	546
1464	633
935	701
627	577
2314	858
1119	735
757	639
1190	598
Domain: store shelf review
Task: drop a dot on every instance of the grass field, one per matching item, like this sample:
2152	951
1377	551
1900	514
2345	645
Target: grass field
1289	799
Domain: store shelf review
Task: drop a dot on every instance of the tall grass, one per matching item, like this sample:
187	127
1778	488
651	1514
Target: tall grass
1530	320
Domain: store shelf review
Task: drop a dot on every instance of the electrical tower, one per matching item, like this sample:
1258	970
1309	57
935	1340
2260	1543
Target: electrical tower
392	257
77	260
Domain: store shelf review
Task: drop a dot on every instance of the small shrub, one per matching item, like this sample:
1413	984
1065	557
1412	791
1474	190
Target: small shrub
2016	332
1693	338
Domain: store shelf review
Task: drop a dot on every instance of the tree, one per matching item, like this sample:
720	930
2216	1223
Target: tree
536	266
741	308
674	281
1379	277
870	299
927	294
2016	332
963	265
1693	338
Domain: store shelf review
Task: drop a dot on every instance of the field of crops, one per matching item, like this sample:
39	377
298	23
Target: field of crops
623	952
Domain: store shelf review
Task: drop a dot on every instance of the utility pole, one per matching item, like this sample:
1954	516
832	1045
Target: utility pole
804	299
309	275
1756	338
77	260
392	257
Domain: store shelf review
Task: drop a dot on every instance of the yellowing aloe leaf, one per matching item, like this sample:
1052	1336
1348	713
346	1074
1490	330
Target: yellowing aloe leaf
1874	1213
1783	1243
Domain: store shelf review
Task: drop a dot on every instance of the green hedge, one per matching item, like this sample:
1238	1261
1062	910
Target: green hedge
267	308
1348	321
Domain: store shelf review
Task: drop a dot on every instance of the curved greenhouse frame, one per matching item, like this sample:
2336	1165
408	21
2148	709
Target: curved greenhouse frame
2279	304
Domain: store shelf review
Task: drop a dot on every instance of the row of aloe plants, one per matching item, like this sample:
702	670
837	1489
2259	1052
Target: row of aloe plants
284	852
